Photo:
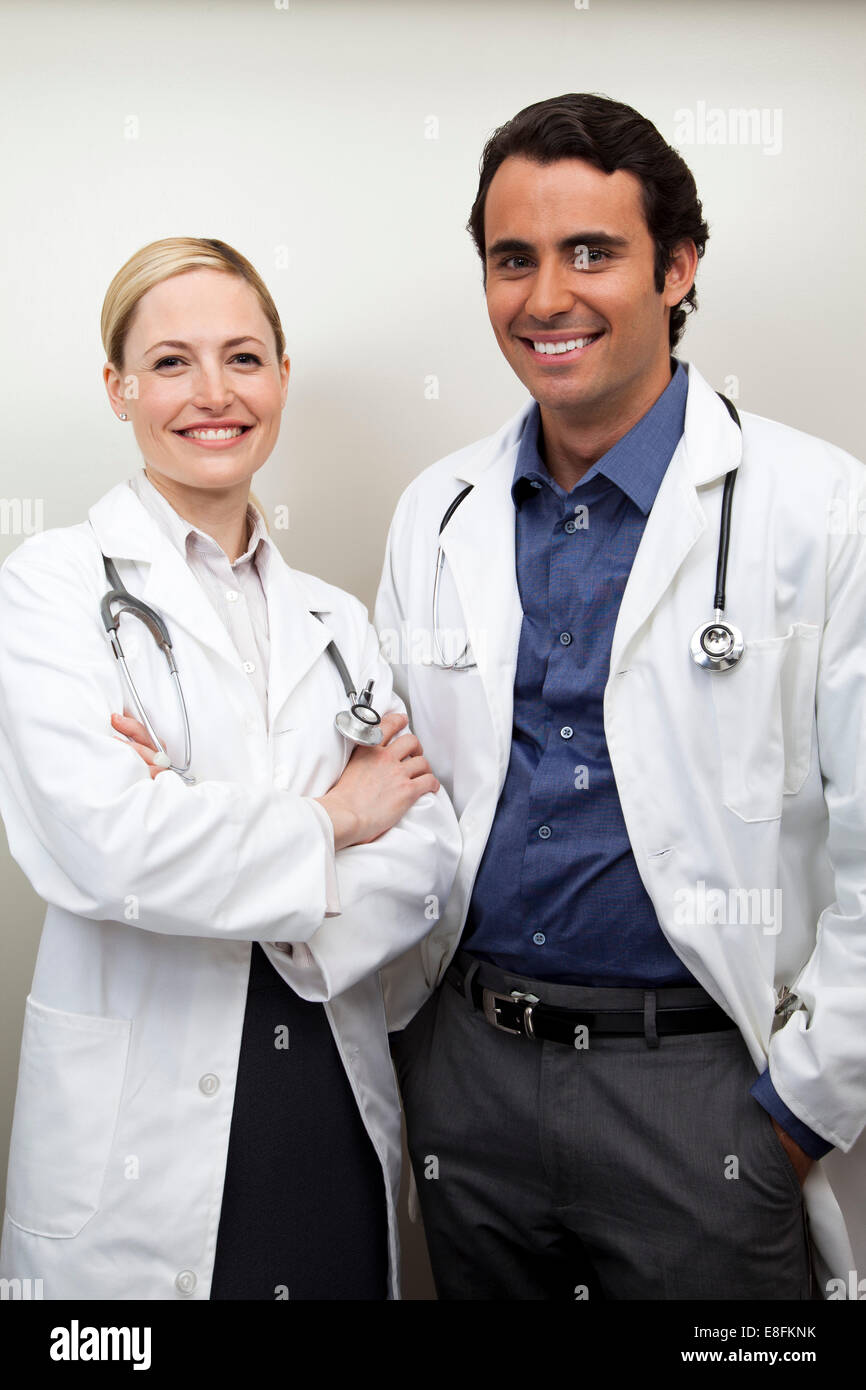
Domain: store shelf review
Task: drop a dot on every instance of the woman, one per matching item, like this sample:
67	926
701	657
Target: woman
206	1105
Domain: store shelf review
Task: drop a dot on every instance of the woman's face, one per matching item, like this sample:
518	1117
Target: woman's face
200	356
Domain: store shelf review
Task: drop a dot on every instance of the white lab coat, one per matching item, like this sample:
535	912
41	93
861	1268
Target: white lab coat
156	889
755	778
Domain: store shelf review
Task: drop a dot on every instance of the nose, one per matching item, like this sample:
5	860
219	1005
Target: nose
551	292
213	388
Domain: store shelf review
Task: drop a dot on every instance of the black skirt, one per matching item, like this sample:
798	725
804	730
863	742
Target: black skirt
304	1213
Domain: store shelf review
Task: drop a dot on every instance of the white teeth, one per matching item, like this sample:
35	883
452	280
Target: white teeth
214	434
568	346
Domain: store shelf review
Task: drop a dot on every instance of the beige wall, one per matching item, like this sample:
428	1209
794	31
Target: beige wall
301	135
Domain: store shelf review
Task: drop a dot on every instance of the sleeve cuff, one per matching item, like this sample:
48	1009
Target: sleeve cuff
298	950
815	1145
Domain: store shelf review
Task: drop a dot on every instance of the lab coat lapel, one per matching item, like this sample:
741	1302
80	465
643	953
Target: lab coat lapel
478	544
297	639
126	531
709	447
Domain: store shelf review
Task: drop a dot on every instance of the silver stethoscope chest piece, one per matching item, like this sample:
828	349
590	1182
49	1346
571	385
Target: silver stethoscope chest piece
717	645
360	723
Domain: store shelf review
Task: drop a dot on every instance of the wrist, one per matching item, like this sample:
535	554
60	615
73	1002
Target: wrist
345	821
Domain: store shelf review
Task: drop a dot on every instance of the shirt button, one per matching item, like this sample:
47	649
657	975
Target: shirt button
250	666
209	1084
567	732
539	938
544	832
185	1281
232	595
533	482
565	639
570	527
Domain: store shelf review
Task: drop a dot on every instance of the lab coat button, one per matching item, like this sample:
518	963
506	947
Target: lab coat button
209	1084
232	596
249	667
185	1281
281	778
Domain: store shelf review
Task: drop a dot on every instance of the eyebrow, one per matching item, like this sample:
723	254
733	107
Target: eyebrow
515	247
229	342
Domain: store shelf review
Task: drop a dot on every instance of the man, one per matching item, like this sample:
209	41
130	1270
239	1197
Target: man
650	1033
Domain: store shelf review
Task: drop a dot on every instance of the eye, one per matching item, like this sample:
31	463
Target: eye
251	356
583	255
510	263
166	361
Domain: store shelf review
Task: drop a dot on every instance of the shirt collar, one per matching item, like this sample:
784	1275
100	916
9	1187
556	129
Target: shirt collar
636	463
183	535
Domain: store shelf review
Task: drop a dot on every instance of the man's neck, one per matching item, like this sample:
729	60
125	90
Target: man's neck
571	441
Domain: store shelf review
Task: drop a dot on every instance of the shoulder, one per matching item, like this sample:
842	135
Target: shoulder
438	484
67	553
339	609
800	460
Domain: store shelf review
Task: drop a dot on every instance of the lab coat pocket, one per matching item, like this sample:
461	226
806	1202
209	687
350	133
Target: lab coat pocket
765	711
69	1086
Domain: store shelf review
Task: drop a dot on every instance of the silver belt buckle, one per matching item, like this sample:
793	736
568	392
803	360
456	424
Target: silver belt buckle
490	1000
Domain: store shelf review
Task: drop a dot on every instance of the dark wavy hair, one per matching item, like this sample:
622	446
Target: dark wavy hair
611	136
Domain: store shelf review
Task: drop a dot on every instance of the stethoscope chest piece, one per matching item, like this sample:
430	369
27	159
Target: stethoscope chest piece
360	723
717	645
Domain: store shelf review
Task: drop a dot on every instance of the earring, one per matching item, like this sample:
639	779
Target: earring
124	417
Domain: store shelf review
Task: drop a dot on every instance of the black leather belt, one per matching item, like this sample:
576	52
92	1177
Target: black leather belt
522	1012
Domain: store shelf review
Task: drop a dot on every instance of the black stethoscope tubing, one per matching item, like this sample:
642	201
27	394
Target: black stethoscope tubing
715	646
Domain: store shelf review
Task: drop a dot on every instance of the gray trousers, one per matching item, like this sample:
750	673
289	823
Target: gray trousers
621	1171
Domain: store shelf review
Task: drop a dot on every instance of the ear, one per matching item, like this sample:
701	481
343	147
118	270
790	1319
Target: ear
114	386
681	272
285	370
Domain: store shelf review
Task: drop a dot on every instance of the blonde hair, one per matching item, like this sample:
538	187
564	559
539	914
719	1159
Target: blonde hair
161	260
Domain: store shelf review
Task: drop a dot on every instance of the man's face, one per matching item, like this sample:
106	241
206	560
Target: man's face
569	263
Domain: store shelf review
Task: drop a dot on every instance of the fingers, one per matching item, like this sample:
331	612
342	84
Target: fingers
417	766
133	729
426	783
406	747
146	754
391	725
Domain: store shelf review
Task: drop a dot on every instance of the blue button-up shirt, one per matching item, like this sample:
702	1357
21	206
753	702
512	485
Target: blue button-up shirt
558	895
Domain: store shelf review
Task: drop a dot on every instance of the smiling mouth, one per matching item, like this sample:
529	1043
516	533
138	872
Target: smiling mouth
560	347
212	436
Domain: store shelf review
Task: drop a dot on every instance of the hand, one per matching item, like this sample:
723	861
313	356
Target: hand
139	739
378	786
800	1160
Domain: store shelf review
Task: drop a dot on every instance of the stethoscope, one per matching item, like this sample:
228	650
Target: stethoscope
715	646
360	723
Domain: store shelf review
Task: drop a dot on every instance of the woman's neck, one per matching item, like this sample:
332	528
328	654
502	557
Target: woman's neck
220	514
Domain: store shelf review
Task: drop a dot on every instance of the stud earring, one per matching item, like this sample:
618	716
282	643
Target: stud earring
124	417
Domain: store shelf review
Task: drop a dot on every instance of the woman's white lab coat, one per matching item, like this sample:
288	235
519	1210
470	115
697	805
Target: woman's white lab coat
156	889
